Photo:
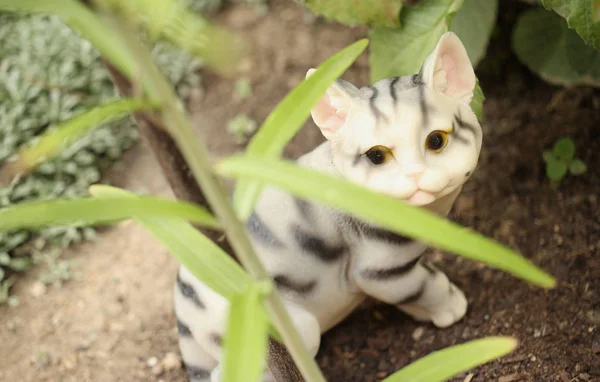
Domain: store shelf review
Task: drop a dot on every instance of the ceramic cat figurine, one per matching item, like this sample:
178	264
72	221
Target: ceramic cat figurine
413	137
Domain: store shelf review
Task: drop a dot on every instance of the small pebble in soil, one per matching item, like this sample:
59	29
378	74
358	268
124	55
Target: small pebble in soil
537	333
157	370
418	333
594	316
38	289
152	361
171	361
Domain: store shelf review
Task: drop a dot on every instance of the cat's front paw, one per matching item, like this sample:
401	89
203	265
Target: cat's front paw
442	314
452	311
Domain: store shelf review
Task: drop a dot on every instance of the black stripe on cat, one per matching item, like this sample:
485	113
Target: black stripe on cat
397	271
385	235
462	124
317	247
455	134
183	329
259	230
413	297
217	339
305	209
423	105
432	271
285	283
196	372
356	160
188	292
393	88
378	114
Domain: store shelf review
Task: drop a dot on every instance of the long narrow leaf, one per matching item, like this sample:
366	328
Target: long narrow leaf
446	363
384	210
246	337
97	210
287	118
200	255
63	135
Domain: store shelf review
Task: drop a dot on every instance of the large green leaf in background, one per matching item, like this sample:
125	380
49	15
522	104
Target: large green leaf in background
401	51
383	210
245	344
474	23
543	41
443	364
358	12
581	15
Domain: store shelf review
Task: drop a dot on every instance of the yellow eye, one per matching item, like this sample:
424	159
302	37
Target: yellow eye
436	141
379	154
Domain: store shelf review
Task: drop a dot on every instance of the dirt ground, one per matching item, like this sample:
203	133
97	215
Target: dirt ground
113	322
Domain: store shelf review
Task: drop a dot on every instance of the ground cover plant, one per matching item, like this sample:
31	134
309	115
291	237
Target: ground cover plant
249	292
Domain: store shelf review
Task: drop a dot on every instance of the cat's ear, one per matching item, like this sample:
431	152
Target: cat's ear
448	69
331	111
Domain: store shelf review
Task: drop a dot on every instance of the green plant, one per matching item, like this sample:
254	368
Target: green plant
561	160
241	127
561	46
49	75
250	290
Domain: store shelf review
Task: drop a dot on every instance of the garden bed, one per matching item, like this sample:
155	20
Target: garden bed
110	322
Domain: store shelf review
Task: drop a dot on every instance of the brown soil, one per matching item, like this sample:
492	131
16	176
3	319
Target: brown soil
116	315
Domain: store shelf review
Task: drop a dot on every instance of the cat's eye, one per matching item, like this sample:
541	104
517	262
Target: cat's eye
379	154
436	141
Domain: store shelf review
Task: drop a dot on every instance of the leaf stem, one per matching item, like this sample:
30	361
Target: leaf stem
195	154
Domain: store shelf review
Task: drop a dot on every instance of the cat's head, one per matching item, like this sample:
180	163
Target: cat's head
413	137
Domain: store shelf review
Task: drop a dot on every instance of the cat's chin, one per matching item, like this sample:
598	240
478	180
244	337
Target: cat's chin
421	198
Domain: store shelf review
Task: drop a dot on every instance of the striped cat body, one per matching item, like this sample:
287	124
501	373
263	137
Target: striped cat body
414	138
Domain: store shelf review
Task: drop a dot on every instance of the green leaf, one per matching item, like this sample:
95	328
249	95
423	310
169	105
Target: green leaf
20	264
94	210
358	12
548	156
62	136
543	42
556	170
402	51
477	101
582	15
564	149
206	260
577	167
287	118
446	363
384	210
474	23
245	344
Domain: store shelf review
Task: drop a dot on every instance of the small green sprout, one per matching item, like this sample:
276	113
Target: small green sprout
241	127
561	160
243	88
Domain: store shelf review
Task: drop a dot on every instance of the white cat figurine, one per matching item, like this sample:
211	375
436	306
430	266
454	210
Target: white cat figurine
413	137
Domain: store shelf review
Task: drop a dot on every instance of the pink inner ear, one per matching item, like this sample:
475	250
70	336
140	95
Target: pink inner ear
458	75
326	116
